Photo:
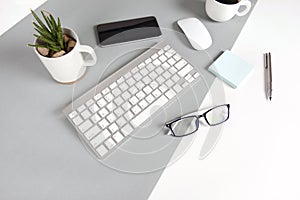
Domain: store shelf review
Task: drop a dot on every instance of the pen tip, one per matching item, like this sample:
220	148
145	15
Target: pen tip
270	98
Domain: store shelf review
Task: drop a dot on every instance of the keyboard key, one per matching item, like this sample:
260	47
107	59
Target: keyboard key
140	95
154	56
86	114
81	108
140	66
168	54
92	132
103	123
150	98
100	138
134	70
156	93
177	57
130	81
143	104
95	118
184	71
154	84
136	109
103	112
102	150
146	80
180	64
113	127
133	100
120	80
77	120
147	89
105	91
110	143
85	126
94	108
170	94
177	88
119	111
140	85
167	74
171	61
191	79
144	72
145	114
73	114
116	92
113	85
110	106
175	78
137	76
129	115
157	62
126	130
111	117
126	95
173	70
101	103
153	75
196	75
150	67
126	105
127	75
118	137
123	86
121	121
159	70
133	90
160	52
89	102
160	79
97	96
165	66
109	97
148	60
187	77
118	101
169	83
163	88
167	47
163	58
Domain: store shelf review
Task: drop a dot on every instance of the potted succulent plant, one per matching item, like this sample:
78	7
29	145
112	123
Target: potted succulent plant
59	49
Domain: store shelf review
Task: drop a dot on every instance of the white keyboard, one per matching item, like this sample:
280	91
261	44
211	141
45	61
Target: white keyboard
110	112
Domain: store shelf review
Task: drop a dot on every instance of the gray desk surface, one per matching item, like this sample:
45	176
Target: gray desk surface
41	157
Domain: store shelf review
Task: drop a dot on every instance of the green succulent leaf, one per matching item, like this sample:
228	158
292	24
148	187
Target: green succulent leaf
49	32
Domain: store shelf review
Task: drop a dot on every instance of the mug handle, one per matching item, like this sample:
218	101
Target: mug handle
89	50
246	3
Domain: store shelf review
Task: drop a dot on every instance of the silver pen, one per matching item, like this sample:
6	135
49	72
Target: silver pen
268	67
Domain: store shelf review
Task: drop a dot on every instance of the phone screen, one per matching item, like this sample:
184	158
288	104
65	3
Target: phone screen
128	30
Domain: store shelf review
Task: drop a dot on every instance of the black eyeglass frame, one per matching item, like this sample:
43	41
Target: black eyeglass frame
169	124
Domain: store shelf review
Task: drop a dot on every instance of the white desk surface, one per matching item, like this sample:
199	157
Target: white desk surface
257	154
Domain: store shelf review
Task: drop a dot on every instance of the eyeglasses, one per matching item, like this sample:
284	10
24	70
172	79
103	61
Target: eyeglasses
187	125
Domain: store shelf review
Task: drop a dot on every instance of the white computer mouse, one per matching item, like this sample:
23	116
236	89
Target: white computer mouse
196	33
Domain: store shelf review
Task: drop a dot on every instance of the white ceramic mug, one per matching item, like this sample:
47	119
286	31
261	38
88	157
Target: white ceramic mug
71	66
222	12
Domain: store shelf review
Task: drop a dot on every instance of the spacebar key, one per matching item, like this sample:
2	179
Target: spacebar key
138	120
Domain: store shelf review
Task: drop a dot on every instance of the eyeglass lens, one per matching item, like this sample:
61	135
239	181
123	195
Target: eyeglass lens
188	125
217	115
185	126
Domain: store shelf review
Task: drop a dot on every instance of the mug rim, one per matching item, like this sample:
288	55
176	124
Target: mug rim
224	4
63	56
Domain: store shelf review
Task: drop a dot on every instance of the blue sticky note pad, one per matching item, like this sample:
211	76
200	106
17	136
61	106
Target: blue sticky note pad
231	68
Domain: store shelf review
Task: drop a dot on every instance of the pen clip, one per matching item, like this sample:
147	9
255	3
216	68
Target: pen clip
266	60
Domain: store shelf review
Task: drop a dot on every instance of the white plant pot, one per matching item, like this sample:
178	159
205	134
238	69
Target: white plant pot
70	67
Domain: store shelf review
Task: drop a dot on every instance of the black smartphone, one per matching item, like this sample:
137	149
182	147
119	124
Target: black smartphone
128	30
